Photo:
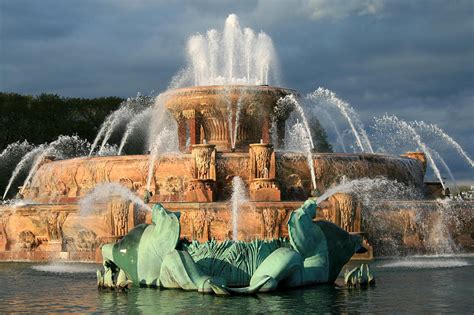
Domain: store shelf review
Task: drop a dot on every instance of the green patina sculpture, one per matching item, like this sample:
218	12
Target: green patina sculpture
153	255
359	277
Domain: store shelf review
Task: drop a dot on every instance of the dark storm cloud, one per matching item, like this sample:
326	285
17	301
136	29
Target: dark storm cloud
409	58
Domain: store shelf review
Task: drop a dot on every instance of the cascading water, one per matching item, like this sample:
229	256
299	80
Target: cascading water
63	147
237	199
299	140
121	115
423	127
410	135
291	99
325	97
163	144
103	192
132	126
233	56
327	117
23	163
124	113
299	136
446	167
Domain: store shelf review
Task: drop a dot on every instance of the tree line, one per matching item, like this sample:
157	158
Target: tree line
42	118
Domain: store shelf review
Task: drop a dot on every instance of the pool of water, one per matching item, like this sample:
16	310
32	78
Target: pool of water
417	284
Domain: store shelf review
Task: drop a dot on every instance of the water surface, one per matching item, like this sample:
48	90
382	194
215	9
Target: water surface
415	285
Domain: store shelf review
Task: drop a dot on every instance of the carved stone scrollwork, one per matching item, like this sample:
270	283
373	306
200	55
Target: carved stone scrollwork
54	222
201	188
271	222
119	210
27	240
347	210
4	218
262	174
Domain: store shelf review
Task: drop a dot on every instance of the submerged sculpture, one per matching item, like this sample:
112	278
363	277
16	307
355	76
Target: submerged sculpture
153	255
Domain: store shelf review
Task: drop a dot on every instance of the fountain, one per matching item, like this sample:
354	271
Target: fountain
219	133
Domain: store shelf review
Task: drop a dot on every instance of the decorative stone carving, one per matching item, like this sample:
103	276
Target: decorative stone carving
262	174
4	218
201	187
272	220
86	240
27	240
347	212
54	222
121	218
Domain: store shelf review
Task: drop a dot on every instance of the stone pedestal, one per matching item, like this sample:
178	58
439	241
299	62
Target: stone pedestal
262	177
202	187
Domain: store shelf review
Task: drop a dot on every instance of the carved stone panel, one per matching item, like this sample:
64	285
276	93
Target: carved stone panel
121	216
262	174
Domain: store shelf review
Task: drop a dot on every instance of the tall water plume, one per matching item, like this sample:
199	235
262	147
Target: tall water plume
239	197
231	56
325	97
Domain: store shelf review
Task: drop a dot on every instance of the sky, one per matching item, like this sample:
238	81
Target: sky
413	59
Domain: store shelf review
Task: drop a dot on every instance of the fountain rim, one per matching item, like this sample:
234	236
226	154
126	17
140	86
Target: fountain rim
229	154
231	87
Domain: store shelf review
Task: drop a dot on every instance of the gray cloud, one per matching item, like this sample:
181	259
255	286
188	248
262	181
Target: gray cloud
412	59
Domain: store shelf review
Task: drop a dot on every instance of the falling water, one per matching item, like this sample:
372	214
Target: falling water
122	114
233	118
233	56
237	199
291	99
23	162
163	143
327	117
103	192
446	167
299	140
431	128
63	147
326	97
411	135
36	164
132	126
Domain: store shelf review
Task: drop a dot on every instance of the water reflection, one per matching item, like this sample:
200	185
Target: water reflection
33	288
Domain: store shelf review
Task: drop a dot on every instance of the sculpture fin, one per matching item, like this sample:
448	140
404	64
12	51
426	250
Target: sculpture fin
218	289
251	289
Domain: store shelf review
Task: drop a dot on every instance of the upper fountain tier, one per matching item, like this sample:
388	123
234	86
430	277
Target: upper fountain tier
229	116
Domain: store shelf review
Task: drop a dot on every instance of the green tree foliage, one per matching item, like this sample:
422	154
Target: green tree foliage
43	118
320	137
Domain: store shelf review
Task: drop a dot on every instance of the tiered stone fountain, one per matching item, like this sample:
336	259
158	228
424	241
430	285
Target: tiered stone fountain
197	182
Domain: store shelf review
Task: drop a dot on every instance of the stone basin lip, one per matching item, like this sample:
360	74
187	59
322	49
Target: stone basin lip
179	155
231	88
